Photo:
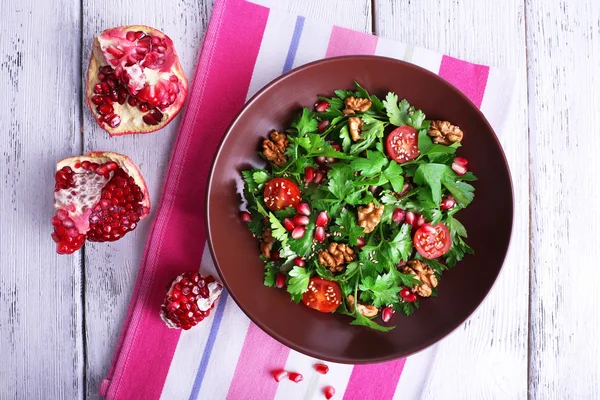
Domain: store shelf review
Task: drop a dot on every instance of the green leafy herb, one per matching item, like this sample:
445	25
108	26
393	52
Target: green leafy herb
298	282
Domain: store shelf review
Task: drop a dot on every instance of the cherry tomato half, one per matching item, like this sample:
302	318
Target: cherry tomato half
432	241
402	145
281	193
322	295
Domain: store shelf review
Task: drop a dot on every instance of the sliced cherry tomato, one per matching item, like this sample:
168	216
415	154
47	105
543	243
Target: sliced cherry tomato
402	144
432	241
281	193
322	295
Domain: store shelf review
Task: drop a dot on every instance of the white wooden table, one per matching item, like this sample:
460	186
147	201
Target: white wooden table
536	335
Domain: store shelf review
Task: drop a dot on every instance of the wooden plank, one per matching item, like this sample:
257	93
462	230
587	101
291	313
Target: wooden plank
40	291
111	268
563	52
487	356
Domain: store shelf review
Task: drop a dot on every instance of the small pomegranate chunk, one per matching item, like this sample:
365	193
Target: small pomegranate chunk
298	232
459	165
408	295
319	176
447	203
280	280
321	368
329	392
288	224
319	234
135	83
387	313
279	374
96	199
303	208
301	220
398	215
299	262
321	106
322	219
323	125
296	377
309	174
189	300
245	216
360	242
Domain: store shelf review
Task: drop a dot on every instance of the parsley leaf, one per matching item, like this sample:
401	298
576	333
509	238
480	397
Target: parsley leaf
364	321
345	136
298	283
427	147
306	123
302	246
462	191
371	131
261	176
270	274
277	230
432	175
402	243
347	228
371	165
397	113
380	291
394	174
340	180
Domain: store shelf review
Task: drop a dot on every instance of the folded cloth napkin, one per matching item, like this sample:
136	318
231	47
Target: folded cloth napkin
226	356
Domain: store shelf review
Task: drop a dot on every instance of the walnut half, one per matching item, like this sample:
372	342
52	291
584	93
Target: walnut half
443	132
368	311
266	243
274	148
425	274
336	255
354	104
369	216
355	125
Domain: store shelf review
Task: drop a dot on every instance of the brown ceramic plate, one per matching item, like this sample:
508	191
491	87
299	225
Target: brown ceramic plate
330	336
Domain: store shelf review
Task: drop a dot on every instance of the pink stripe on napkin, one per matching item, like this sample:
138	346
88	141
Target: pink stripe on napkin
260	355
343	42
375	381
145	340
469	78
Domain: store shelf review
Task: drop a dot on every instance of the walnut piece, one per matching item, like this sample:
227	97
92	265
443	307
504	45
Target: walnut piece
369	216
266	243
274	148
424	273
355	125
336	256
368	311
354	104
443	132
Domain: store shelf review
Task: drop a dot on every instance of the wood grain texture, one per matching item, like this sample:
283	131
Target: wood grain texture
486	358
563	50
40	292
111	268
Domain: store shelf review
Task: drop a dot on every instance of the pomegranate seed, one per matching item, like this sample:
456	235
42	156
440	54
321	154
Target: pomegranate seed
143	107
279	374
114	121
321	106
408	295
459	165
329	392
387	313
288	224
336	146
360	242
301	220
405	292
280	280
321	368
447	203
398	215
321	160
245	216
405	189
320	234
309	174
105	109
303	208
97	100
410	217
419	221
298	232
275	256
299	262
296	377
319	176
323	125
322	219
427	228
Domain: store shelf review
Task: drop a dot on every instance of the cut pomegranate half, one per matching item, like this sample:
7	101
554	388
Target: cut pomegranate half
99	197
189	300
135	83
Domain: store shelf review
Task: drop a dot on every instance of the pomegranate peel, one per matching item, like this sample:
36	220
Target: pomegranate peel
99	197
135	83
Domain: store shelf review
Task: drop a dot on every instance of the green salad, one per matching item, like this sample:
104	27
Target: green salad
356	211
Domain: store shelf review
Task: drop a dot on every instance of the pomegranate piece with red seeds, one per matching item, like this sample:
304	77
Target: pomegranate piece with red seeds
296	377
279	374
321	368
135	83
189	300
329	392
99	197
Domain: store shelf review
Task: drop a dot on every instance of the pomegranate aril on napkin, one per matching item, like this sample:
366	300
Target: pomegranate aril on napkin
99	197
135	83
189	299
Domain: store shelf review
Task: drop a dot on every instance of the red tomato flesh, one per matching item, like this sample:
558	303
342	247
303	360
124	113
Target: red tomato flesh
432	241
322	295
402	144
281	193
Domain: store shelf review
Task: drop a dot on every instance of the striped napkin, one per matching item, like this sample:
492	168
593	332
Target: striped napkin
227	356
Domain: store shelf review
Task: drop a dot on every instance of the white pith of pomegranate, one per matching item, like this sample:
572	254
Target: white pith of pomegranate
135	83
99	197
